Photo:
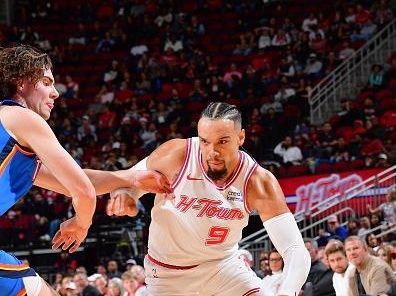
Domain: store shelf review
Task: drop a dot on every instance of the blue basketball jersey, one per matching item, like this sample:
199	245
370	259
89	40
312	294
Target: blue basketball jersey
18	168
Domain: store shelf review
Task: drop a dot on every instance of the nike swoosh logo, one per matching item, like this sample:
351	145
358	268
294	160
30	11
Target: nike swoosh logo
193	179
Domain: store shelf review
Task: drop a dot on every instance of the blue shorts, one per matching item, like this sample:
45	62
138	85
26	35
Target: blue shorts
12	271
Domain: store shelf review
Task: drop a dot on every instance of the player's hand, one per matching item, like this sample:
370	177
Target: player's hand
122	203
70	235
151	181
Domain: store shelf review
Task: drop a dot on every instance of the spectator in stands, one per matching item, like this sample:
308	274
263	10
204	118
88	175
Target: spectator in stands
87	131
100	284
65	263
83	287
139	273
244	46
272	282
322	257
362	15
319	281
346	52
365	33
387	208
106	44
375	222
132	285
281	39
372	243
116	287
228	76
382	161
335	229
173	43
72	88
365	226
373	276
353	226
288	152
308	22
63	286
79	36
285	92
112	269
264	40
383	13
286	68
101	269
376	77
313	67
384	252
338	262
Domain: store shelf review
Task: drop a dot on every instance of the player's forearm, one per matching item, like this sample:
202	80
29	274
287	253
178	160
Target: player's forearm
106	181
286	237
84	204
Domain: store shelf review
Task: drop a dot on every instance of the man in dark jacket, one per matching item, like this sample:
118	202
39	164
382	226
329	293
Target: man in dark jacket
319	281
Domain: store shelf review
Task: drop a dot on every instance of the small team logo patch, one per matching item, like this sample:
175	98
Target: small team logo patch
234	196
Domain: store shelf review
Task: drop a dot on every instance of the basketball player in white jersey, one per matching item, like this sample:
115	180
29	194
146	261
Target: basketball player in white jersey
193	238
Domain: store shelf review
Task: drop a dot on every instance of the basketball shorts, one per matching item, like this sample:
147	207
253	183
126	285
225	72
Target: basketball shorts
224	277
17	278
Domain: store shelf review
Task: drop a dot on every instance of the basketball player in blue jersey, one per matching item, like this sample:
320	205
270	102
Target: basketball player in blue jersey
30	155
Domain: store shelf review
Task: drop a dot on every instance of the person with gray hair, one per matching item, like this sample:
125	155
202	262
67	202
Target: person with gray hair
373	275
115	287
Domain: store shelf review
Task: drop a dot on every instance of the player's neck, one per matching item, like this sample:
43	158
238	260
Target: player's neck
20	101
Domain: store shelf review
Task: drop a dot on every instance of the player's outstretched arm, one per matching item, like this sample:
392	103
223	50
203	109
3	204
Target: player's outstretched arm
107	181
33	132
167	160
265	195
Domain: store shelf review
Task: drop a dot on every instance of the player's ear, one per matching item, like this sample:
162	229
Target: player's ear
20	87
241	137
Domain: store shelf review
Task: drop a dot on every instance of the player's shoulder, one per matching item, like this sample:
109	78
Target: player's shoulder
173	147
20	122
18	116
169	155
262	174
261	178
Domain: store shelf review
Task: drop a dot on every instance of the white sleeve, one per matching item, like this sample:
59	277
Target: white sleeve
287	239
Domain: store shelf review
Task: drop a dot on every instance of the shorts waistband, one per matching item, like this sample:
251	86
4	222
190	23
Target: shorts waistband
169	265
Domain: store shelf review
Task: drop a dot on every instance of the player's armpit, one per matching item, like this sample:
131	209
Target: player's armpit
265	195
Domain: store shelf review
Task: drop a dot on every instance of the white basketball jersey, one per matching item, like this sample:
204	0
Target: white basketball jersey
204	222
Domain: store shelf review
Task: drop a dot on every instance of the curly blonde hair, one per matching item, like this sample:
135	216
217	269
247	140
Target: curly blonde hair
18	63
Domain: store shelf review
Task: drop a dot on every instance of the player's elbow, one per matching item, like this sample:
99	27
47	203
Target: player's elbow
84	190
301	254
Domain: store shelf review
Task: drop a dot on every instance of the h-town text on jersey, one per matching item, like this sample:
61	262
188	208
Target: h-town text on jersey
209	208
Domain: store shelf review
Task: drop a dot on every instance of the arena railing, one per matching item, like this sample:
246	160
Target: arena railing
351	76
346	205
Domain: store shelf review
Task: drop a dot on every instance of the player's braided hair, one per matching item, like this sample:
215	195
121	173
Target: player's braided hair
221	110
18	63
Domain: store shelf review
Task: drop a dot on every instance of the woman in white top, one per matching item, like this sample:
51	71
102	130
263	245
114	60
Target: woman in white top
272	282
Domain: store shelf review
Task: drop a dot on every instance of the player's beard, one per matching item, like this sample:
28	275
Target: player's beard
216	174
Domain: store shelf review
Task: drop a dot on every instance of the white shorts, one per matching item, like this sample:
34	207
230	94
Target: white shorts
228	277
